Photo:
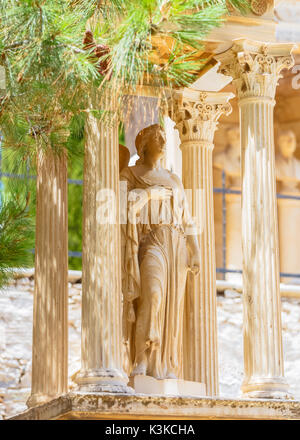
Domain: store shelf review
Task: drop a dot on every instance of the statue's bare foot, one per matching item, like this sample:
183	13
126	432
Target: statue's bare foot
140	369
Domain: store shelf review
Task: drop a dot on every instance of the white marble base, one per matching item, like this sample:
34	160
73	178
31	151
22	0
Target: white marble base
167	387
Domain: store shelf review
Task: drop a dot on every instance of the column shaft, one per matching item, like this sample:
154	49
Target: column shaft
201	363
255	68
262	313
50	319
196	114
101	369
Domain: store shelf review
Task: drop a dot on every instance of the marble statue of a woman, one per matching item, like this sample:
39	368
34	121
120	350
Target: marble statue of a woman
159	246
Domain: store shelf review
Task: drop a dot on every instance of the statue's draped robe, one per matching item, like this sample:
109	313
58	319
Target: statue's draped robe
154	269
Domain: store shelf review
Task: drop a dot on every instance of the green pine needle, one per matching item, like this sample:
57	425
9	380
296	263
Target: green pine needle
16	234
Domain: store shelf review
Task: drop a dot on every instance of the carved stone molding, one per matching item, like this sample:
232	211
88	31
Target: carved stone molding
255	66
196	113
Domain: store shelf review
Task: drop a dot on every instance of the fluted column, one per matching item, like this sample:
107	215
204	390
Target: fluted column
50	318
196	115
255	68
101	346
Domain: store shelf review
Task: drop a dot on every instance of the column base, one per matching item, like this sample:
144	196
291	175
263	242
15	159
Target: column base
39	399
266	388
102	381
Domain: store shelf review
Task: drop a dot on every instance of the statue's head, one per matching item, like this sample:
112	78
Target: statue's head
151	141
233	137
287	143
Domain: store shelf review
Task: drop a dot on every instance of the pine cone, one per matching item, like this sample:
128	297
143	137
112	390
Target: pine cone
99	51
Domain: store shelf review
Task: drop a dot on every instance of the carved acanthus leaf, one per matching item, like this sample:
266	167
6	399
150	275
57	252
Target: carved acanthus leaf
254	74
198	111
197	120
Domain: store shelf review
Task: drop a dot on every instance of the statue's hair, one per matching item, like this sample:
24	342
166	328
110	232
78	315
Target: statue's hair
144	136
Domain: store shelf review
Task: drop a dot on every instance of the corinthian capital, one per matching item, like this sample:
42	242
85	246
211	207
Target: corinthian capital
255	66
196	113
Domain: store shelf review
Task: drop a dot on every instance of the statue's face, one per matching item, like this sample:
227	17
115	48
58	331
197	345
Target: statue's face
233	137
157	145
287	144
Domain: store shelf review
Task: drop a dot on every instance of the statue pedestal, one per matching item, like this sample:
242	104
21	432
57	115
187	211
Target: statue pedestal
167	387
233	236
289	239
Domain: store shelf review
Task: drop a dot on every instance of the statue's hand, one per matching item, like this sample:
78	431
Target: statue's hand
157	192
195	263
